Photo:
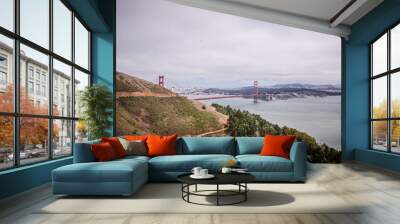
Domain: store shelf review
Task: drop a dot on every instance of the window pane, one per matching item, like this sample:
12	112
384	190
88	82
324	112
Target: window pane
379	97
379	55
62	89
7	14
33	139
62	29
395	47
35	21
6	142
395	94
379	135
81	131
62	138
34	72
6	75
81	45
395	136
81	81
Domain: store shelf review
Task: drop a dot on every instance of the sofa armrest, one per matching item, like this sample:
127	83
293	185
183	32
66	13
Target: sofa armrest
83	152
298	155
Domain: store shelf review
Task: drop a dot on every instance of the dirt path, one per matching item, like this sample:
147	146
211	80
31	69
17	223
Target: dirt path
212	132
222	118
126	94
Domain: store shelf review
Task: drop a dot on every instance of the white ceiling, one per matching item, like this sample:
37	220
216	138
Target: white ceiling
314	15
319	9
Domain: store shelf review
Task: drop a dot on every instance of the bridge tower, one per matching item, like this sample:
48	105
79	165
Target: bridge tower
255	86
161	80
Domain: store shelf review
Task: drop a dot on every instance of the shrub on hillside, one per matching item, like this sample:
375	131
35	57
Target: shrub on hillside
244	123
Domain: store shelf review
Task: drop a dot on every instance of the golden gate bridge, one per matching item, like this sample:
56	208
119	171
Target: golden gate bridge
255	95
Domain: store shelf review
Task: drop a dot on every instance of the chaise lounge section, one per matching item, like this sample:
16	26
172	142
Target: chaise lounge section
87	177
125	176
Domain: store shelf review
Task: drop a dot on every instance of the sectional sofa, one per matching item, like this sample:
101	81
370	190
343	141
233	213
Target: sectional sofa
125	176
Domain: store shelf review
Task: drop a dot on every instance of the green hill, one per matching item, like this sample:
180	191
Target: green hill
162	113
127	83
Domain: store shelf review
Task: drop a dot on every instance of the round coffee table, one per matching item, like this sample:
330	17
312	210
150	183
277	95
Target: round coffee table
238	179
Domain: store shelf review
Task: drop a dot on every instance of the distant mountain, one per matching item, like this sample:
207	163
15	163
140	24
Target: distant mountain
305	86
288	86
282	91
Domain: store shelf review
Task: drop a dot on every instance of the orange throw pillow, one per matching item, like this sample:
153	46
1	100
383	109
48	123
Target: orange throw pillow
116	145
161	145
135	137
103	152
277	145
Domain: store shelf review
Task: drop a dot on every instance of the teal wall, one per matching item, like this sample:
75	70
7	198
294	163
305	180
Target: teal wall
103	52
355	81
24	178
103	66
99	16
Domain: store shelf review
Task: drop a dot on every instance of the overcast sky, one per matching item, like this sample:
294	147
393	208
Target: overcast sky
198	48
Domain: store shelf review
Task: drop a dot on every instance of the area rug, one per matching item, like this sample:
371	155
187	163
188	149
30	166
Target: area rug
166	198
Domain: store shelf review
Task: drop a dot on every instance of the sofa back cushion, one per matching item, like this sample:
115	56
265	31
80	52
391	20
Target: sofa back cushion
206	145
249	145
83	152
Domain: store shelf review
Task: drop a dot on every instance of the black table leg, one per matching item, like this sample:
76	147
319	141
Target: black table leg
245	193
217	194
188	190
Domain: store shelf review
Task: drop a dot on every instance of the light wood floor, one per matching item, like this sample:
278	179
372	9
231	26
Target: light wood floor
377	188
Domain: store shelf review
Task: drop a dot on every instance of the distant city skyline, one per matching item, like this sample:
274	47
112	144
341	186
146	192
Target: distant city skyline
198	48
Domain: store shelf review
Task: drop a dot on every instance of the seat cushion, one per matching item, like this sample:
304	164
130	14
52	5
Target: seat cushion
132	159
257	163
185	163
206	145
111	171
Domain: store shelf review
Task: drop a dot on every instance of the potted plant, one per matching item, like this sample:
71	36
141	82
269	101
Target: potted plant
96	104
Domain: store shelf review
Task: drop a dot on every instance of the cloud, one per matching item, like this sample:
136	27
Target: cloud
199	48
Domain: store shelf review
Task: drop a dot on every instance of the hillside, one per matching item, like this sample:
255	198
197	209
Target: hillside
244	123
144	107
127	83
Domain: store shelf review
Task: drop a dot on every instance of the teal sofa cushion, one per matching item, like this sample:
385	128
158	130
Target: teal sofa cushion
112	171
185	163
206	145
257	163
118	177
83	152
249	145
132	158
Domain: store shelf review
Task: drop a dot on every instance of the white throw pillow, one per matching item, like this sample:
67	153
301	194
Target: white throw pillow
136	147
